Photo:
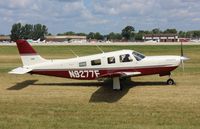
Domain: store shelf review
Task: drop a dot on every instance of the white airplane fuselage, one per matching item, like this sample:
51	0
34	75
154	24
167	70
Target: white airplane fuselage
71	68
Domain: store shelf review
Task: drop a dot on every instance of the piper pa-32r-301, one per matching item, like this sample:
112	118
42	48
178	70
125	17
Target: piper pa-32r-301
115	65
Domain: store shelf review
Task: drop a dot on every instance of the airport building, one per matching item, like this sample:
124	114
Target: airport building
4	38
64	38
161	37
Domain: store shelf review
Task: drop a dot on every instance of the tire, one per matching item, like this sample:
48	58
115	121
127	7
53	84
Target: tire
170	82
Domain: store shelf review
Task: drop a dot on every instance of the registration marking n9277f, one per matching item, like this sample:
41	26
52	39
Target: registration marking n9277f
84	73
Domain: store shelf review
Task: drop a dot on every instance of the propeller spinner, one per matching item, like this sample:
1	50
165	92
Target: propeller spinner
183	58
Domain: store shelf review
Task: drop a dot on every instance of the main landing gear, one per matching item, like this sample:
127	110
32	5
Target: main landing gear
116	83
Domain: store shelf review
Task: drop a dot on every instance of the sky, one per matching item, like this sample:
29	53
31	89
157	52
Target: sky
101	15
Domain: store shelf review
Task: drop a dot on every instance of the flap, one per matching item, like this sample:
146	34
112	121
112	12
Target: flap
20	70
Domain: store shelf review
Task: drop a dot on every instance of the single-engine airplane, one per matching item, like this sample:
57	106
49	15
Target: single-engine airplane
116	65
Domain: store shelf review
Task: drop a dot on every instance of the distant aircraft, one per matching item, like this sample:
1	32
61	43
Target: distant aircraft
116	65
36	41
195	40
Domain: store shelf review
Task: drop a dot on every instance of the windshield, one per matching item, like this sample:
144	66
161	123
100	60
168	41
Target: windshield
138	56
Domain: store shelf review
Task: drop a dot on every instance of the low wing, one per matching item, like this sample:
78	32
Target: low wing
121	74
20	70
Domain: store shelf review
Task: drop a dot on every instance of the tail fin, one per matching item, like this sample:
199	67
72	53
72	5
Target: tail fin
28	55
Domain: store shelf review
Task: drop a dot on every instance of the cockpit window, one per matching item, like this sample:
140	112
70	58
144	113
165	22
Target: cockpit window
138	56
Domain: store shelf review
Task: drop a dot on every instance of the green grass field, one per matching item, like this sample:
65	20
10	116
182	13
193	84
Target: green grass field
41	102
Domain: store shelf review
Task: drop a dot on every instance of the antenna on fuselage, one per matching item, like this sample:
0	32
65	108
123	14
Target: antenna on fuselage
100	49
74	53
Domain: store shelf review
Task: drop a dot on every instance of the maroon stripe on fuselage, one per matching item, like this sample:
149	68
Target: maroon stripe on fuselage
85	75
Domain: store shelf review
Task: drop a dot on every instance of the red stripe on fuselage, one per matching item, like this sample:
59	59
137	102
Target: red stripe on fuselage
89	75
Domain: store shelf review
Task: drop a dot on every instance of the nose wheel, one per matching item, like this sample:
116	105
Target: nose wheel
170	82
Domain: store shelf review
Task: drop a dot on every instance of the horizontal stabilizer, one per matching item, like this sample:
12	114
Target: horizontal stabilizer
20	70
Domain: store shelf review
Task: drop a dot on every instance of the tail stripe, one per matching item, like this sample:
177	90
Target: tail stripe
25	48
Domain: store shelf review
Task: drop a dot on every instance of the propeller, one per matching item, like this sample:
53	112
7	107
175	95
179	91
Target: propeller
182	63
183	58
181	49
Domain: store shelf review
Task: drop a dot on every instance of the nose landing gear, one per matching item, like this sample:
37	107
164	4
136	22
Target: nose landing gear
170	82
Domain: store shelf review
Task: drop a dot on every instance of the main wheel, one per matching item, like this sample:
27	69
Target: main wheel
170	82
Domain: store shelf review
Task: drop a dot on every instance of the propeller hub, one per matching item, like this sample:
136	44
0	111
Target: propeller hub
183	58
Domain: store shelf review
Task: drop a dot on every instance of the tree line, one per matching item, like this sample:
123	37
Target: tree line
28	31
38	31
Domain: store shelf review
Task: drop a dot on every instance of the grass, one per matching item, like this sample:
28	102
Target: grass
145	103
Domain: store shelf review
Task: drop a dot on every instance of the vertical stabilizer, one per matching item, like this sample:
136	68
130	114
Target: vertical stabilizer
28	55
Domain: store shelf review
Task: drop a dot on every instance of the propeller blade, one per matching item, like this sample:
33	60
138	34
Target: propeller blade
183	58
181	49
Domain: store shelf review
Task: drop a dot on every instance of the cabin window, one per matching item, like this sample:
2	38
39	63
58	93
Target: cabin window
125	58
96	62
82	64
111	60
